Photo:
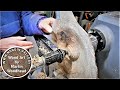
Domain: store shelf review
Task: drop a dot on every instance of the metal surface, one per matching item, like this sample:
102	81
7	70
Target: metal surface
108	58
97	39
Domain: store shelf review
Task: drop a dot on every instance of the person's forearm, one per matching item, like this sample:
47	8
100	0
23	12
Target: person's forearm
9	42
1	47
30	23
0	44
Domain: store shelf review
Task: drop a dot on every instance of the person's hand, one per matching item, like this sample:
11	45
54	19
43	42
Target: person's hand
46	25
6	43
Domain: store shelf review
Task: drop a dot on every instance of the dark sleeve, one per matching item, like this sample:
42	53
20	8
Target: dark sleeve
30	23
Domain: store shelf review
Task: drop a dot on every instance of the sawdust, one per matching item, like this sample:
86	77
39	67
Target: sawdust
37	61
40	75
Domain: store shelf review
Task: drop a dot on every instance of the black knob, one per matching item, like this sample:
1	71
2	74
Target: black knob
55	56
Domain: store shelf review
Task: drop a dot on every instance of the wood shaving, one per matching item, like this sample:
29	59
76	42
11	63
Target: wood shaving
37	61
41	75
